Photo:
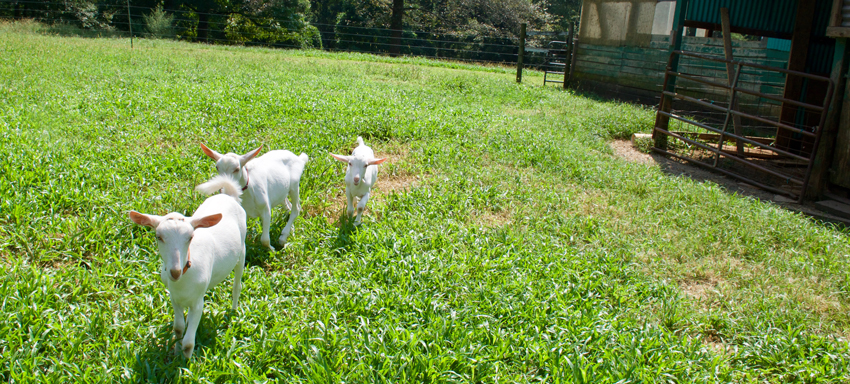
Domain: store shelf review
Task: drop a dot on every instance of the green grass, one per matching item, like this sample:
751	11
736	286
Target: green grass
505	242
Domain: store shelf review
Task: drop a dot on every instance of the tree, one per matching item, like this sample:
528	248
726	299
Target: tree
563	11
396	23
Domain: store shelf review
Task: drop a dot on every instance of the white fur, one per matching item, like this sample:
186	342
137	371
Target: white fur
214	239
270	178
360	176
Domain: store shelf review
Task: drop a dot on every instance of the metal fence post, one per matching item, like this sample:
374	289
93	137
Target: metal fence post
521	53
130	23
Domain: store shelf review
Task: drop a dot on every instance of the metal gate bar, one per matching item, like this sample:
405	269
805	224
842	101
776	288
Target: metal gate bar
744	139
813	132
742	114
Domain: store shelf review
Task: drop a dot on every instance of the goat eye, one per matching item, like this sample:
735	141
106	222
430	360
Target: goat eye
159	238
236	170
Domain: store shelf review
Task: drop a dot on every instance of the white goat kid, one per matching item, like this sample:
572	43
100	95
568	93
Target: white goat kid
199	252
360	177
267	181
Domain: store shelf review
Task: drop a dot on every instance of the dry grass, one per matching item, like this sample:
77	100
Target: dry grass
490	219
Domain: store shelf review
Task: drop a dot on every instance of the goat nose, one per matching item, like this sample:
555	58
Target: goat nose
175	274
356	180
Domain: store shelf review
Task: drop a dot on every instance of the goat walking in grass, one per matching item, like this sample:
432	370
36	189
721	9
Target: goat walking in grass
266	182
199	252
360	176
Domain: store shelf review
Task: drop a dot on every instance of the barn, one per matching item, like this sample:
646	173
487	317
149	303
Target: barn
754	90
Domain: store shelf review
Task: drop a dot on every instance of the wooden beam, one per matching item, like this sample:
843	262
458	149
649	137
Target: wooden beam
730	73
662	122
521	53
838	31
796	62
834	28
835	133
569	60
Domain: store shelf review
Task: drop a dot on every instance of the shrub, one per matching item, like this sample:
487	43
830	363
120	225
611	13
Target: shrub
311	38
89	16
266	31
159	24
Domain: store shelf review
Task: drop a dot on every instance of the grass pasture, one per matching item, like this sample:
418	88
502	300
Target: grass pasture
505	241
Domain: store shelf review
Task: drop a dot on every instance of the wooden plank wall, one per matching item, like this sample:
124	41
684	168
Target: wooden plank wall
643	68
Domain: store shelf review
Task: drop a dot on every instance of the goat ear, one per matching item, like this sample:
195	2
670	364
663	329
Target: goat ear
206	221
344	159
146	220
377	161
248	156
209	152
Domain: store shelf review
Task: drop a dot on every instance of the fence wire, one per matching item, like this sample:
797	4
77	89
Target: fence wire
237	28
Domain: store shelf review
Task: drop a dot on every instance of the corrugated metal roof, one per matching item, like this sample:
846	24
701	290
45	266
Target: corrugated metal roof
766	15
776	16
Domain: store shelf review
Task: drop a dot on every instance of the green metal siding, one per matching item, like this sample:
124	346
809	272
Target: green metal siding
766	15
779	44
774	16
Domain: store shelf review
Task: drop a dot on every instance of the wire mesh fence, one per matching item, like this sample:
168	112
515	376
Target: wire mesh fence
118	19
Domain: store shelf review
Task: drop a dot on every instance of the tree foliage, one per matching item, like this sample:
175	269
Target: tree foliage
460	29
441	28
479	16
159	23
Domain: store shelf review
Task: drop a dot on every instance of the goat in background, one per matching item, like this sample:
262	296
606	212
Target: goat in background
360	176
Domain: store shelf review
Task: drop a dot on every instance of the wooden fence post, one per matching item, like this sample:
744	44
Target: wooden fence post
574	43
726	26
521	53
568	65
661	121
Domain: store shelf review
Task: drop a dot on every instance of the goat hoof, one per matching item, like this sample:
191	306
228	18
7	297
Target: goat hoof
187	350
282	240
267	244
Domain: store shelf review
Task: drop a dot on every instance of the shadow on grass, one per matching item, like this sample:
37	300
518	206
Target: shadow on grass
157	361
257	254
679	168
343	242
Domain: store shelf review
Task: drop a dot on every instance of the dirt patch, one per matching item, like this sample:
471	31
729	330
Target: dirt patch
826	305
625	150
396	184
700	289
330	206
491	219
716	344
396	175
